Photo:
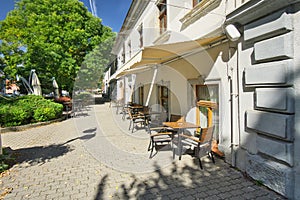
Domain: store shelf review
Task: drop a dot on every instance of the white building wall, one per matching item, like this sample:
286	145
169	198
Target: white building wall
176	10
176	83
200	22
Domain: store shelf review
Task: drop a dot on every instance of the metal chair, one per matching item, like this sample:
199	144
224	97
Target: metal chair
136	119
199	145
162	136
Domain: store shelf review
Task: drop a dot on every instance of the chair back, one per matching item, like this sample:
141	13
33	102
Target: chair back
146	109
130	113
176	118
207	134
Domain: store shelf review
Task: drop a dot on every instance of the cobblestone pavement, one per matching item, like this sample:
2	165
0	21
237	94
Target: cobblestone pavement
94	156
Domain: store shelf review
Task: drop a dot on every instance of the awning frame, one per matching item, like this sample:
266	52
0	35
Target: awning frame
164	53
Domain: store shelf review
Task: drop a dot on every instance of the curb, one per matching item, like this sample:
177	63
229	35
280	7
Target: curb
28	126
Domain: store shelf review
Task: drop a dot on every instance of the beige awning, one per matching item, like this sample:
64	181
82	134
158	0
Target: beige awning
160	54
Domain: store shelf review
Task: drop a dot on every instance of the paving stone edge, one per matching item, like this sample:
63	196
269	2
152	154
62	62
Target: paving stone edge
28	126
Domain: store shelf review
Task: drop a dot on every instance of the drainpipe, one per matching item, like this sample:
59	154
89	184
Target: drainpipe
232	73
233	94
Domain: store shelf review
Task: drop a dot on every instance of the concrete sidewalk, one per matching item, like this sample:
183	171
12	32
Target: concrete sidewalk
94	156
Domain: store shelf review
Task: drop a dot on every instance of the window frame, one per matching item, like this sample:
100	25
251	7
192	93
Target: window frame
129	48
123	54
196	2
140	31
217	113
163	19
164	98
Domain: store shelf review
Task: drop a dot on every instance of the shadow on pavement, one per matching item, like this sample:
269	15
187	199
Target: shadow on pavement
186	182
100	189
39	154
42	154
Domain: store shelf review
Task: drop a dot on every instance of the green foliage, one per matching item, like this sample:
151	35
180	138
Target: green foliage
47	112
52	37
92	70
13	115
28	109
6	160
83	96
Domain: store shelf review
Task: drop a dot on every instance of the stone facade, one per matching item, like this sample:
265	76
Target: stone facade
268	77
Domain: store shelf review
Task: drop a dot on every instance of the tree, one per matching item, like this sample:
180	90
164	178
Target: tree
52	37
95	64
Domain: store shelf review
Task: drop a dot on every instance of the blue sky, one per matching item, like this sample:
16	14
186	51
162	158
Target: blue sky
112	12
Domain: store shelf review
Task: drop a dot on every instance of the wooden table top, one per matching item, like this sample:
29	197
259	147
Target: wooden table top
180	125
136	106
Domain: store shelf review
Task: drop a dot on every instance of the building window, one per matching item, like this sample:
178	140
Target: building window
195	2
138	95
162	6
113	66
140	30
141	95
129	48
123	54
163	98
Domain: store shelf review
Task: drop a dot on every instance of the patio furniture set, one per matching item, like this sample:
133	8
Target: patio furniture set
175	132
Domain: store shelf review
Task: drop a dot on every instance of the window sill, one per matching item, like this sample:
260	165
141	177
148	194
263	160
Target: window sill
199	11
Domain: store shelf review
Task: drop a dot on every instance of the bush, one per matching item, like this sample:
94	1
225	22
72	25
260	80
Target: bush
48	111
27	109
13	115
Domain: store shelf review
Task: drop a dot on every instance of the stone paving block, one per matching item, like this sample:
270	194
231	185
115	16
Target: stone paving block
213	197
189	197
212	192
200	195
78	174
226	195
176	195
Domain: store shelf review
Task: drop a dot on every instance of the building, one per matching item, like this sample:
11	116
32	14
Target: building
240	54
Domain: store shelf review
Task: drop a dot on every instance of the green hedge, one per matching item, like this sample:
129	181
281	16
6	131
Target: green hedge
27	109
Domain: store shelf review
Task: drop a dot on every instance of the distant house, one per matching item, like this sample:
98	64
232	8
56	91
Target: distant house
240	54
11	87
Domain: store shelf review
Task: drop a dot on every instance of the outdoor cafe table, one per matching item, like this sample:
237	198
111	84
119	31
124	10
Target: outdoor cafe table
180	126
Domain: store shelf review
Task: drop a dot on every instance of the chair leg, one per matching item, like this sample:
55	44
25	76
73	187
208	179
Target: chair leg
173	154
179	151
179	147
152	147
132	126
129	125
149	146
200	164
212	157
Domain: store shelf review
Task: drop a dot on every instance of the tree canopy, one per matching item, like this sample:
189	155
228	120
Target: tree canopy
52	37
94	66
